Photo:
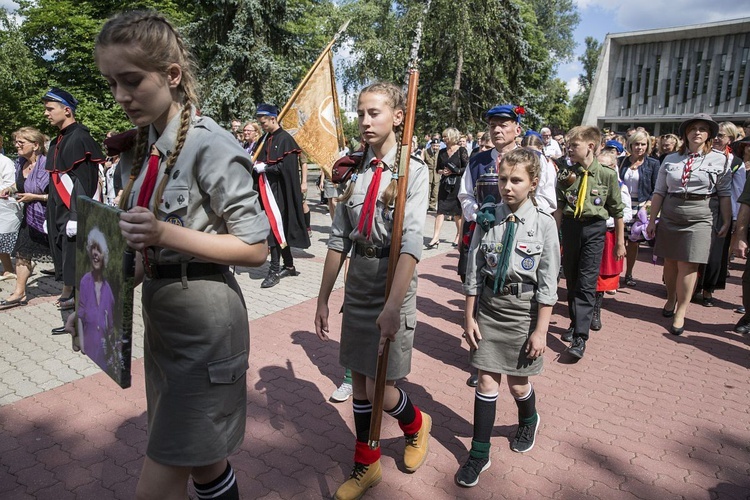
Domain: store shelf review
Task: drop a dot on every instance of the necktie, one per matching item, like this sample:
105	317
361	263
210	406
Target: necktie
507	251
149	182
371	200
688	169
583	188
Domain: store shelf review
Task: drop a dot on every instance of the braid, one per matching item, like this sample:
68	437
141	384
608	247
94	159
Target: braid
185	119
136	167
350	187
391	192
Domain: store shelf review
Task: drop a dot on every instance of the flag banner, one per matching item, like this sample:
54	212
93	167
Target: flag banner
313	119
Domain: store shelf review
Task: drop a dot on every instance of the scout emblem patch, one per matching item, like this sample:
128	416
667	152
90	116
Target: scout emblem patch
597	201
528	263
173	219
491	259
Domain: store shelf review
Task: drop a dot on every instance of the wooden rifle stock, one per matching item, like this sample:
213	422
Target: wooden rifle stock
398	229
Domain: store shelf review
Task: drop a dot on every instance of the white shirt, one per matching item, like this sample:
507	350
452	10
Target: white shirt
552	149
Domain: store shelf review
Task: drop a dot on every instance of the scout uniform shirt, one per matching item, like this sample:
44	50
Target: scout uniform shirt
535	259
346	218
710	174
603	198
210	188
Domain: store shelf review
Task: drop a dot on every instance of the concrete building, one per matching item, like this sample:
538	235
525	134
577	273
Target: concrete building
657	78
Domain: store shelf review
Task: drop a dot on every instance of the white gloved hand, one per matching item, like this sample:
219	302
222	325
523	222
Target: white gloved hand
71	228
259	167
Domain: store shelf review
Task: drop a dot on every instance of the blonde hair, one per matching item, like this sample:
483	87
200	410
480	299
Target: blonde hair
156	45
396	100
730	129
451	135
32	135
639	136
586	134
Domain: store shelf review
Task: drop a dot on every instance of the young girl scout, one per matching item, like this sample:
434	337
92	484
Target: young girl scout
512	273
363	221
189	224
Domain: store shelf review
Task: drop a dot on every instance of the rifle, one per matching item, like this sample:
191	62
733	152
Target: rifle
398	227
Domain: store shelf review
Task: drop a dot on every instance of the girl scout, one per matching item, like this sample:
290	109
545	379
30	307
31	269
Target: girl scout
363	222
189	224
512	273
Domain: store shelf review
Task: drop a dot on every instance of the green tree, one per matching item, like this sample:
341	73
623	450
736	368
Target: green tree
252	51
589	59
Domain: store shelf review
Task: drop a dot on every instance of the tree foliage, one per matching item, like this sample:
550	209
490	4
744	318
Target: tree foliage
589	59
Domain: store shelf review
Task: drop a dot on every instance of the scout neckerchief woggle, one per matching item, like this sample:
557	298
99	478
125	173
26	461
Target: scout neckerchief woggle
371	199
502	267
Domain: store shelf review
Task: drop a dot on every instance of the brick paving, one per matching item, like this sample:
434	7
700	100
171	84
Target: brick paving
644	415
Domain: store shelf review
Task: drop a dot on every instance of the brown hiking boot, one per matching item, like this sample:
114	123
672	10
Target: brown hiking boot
362	478
417	445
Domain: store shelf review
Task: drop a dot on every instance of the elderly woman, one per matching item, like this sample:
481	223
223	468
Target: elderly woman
250	134
687	182
639	172
713	276
451	162
9	214
30	187
96	302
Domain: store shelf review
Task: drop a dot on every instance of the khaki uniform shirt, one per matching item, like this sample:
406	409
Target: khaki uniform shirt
210	187
535	259
346	218
603	199
710	174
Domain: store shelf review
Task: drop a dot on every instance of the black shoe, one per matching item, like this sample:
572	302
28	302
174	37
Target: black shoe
287	271
271	280
473	380
430	246
708	301
667	313
48	272
742	326
629	281
468	474
60	330
577	348
740	309
568	335
676	331
525	437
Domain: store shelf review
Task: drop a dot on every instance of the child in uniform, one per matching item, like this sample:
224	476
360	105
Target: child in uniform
363	221
511	287
587	195
188	225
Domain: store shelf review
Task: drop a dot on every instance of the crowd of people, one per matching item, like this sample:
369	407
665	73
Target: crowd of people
524	203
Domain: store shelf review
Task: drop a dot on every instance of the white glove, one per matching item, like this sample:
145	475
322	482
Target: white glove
259	167
71	228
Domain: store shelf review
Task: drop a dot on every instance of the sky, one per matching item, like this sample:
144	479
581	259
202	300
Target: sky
616	16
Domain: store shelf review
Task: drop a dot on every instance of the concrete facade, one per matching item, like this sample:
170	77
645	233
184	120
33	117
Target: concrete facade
657	78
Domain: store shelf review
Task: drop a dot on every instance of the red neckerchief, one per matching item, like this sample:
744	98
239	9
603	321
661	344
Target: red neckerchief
371	199
149	182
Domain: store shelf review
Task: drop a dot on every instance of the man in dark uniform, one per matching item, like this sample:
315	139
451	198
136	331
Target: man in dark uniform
277	177
587	195
73	162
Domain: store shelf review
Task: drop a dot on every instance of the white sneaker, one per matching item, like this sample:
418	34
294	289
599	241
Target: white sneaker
341	394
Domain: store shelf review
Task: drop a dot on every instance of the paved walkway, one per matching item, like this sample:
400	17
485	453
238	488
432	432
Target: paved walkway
643	415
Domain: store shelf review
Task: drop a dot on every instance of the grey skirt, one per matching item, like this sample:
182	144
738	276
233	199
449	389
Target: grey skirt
195	358
505	323
684	230
363	302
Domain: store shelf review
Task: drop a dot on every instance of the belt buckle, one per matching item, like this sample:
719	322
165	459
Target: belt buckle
370	251
506	290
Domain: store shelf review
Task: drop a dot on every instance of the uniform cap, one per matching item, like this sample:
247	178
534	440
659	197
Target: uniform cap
506	111
267	110
615	145
705	117
59	95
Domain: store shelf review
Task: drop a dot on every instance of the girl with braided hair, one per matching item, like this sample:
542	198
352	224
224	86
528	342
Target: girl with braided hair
188	224
363	225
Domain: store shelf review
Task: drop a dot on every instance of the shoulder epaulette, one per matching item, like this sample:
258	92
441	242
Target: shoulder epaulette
417	158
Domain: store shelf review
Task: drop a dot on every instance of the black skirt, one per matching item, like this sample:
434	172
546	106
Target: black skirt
448	203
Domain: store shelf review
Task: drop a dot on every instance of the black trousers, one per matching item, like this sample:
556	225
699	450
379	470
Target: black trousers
277	253
746	292
583	244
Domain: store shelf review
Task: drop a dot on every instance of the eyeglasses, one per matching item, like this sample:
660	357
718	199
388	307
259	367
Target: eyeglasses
21	143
